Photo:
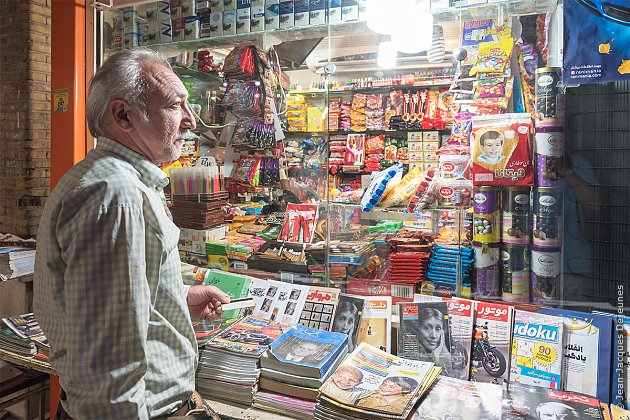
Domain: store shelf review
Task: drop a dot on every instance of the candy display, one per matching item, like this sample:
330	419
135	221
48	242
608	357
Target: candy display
549	155
545	267
486	215
516	215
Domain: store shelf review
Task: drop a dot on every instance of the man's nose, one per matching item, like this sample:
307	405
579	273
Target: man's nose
188	121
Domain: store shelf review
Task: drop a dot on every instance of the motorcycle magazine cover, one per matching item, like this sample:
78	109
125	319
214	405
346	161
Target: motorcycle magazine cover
491	343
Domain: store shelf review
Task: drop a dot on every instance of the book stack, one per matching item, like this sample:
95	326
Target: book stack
296	366
373	384
229	364
17	257
26	327
10	341
201	211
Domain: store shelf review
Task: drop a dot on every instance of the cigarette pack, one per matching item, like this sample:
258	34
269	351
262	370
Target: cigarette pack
272	14
287	14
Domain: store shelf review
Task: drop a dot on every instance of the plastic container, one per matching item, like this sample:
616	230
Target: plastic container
454	166
455	193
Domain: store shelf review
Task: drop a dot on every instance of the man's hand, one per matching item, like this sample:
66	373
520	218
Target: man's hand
204	302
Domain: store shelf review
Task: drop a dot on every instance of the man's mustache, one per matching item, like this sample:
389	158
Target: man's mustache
186	135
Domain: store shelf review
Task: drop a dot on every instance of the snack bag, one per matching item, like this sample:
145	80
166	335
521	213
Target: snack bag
403	191
502	150
376	190
493	57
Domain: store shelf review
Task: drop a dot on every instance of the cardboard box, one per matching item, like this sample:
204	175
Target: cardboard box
301	16
129	17
191	28
229	4
272	14
157	33
431	136
415	136
213	26
177	27
229	22
176	9
334	11
216	5
189	8
257	15
148	12
318	13
349	10
287	14
164	11
430	157
243	16
431	146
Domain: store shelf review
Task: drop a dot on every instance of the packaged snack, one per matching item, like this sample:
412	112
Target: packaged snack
493	57
502	150
426	193
404	189
378	185
354	152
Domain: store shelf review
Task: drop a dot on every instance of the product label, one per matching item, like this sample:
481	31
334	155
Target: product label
550	144
546	263
546	333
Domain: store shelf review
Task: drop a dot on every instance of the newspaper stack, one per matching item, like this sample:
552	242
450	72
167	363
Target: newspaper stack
17	256
373	384
229	365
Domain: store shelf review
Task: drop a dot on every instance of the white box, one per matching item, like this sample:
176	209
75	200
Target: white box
164	11
130	39
216	5
177	27
157	33
229	22
229	4
191	28
300	16
243	17
334	11
287	14
214	27
272	14
349	10
363	9
317	12
148	12
130	16
189	8
257	15
256	3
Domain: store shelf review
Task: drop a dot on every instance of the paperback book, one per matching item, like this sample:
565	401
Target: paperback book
320	307
305	351
621	359
491	342
526	402
451	398
235	285
424	333
587	361
284	405
376	323
251	336
208	330
278	301
619	413
348	318
537	349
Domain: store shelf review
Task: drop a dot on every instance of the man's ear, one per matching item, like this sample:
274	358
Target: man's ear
120	113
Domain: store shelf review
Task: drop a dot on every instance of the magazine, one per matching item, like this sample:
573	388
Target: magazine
251	336
424	333
362	380
621	360
537	349
525	402
278	301
234	285
454	399
305	351
619	413
376	324
586	365
207	330
491	342
348	317
319	307
461	323
26	326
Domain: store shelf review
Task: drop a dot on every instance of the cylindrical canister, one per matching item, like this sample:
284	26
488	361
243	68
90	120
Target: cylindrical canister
516	215
515	286
548	201
486	215
514	257
488	270
545	288
549	100
549	155
547	231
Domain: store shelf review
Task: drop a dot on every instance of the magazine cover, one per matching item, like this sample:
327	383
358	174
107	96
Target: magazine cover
454	399
278	301
348	317
491	342
461	323
424	333
621	360
207	330
250	336
370	379
523	402
586	365
299	223
26	326
319	307
537	349
619	413
354	150
376	324
233	284
308	347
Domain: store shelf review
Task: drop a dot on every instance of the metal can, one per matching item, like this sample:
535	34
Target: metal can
545	275
549	104
516	200
547	231
486	215
514	258
488	270
516	228
549	155
515	286
547	201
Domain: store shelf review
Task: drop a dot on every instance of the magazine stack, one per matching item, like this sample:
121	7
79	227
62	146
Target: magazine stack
371	383
10	341
296	366
26	327
229	365
17	256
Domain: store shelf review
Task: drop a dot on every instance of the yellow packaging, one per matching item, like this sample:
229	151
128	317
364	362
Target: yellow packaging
315	120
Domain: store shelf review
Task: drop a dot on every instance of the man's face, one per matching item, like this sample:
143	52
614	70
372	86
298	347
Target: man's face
492	147
554	412
170	118
389	388
345	380
431	333
305	348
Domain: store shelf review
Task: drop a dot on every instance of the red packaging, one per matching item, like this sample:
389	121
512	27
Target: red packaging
400	293
501	148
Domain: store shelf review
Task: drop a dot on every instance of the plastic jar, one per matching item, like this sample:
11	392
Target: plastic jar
454	166
454	193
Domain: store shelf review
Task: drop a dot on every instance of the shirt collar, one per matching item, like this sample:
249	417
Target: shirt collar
150	174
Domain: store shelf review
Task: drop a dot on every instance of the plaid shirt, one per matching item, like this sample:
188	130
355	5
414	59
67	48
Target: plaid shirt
108	291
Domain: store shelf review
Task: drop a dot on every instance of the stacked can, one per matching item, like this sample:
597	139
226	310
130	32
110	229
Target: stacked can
486	229
515	237
549	159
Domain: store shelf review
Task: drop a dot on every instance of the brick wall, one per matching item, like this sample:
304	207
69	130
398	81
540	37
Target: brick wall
24	113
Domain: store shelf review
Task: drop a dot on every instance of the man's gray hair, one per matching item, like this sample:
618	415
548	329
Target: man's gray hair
122	76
